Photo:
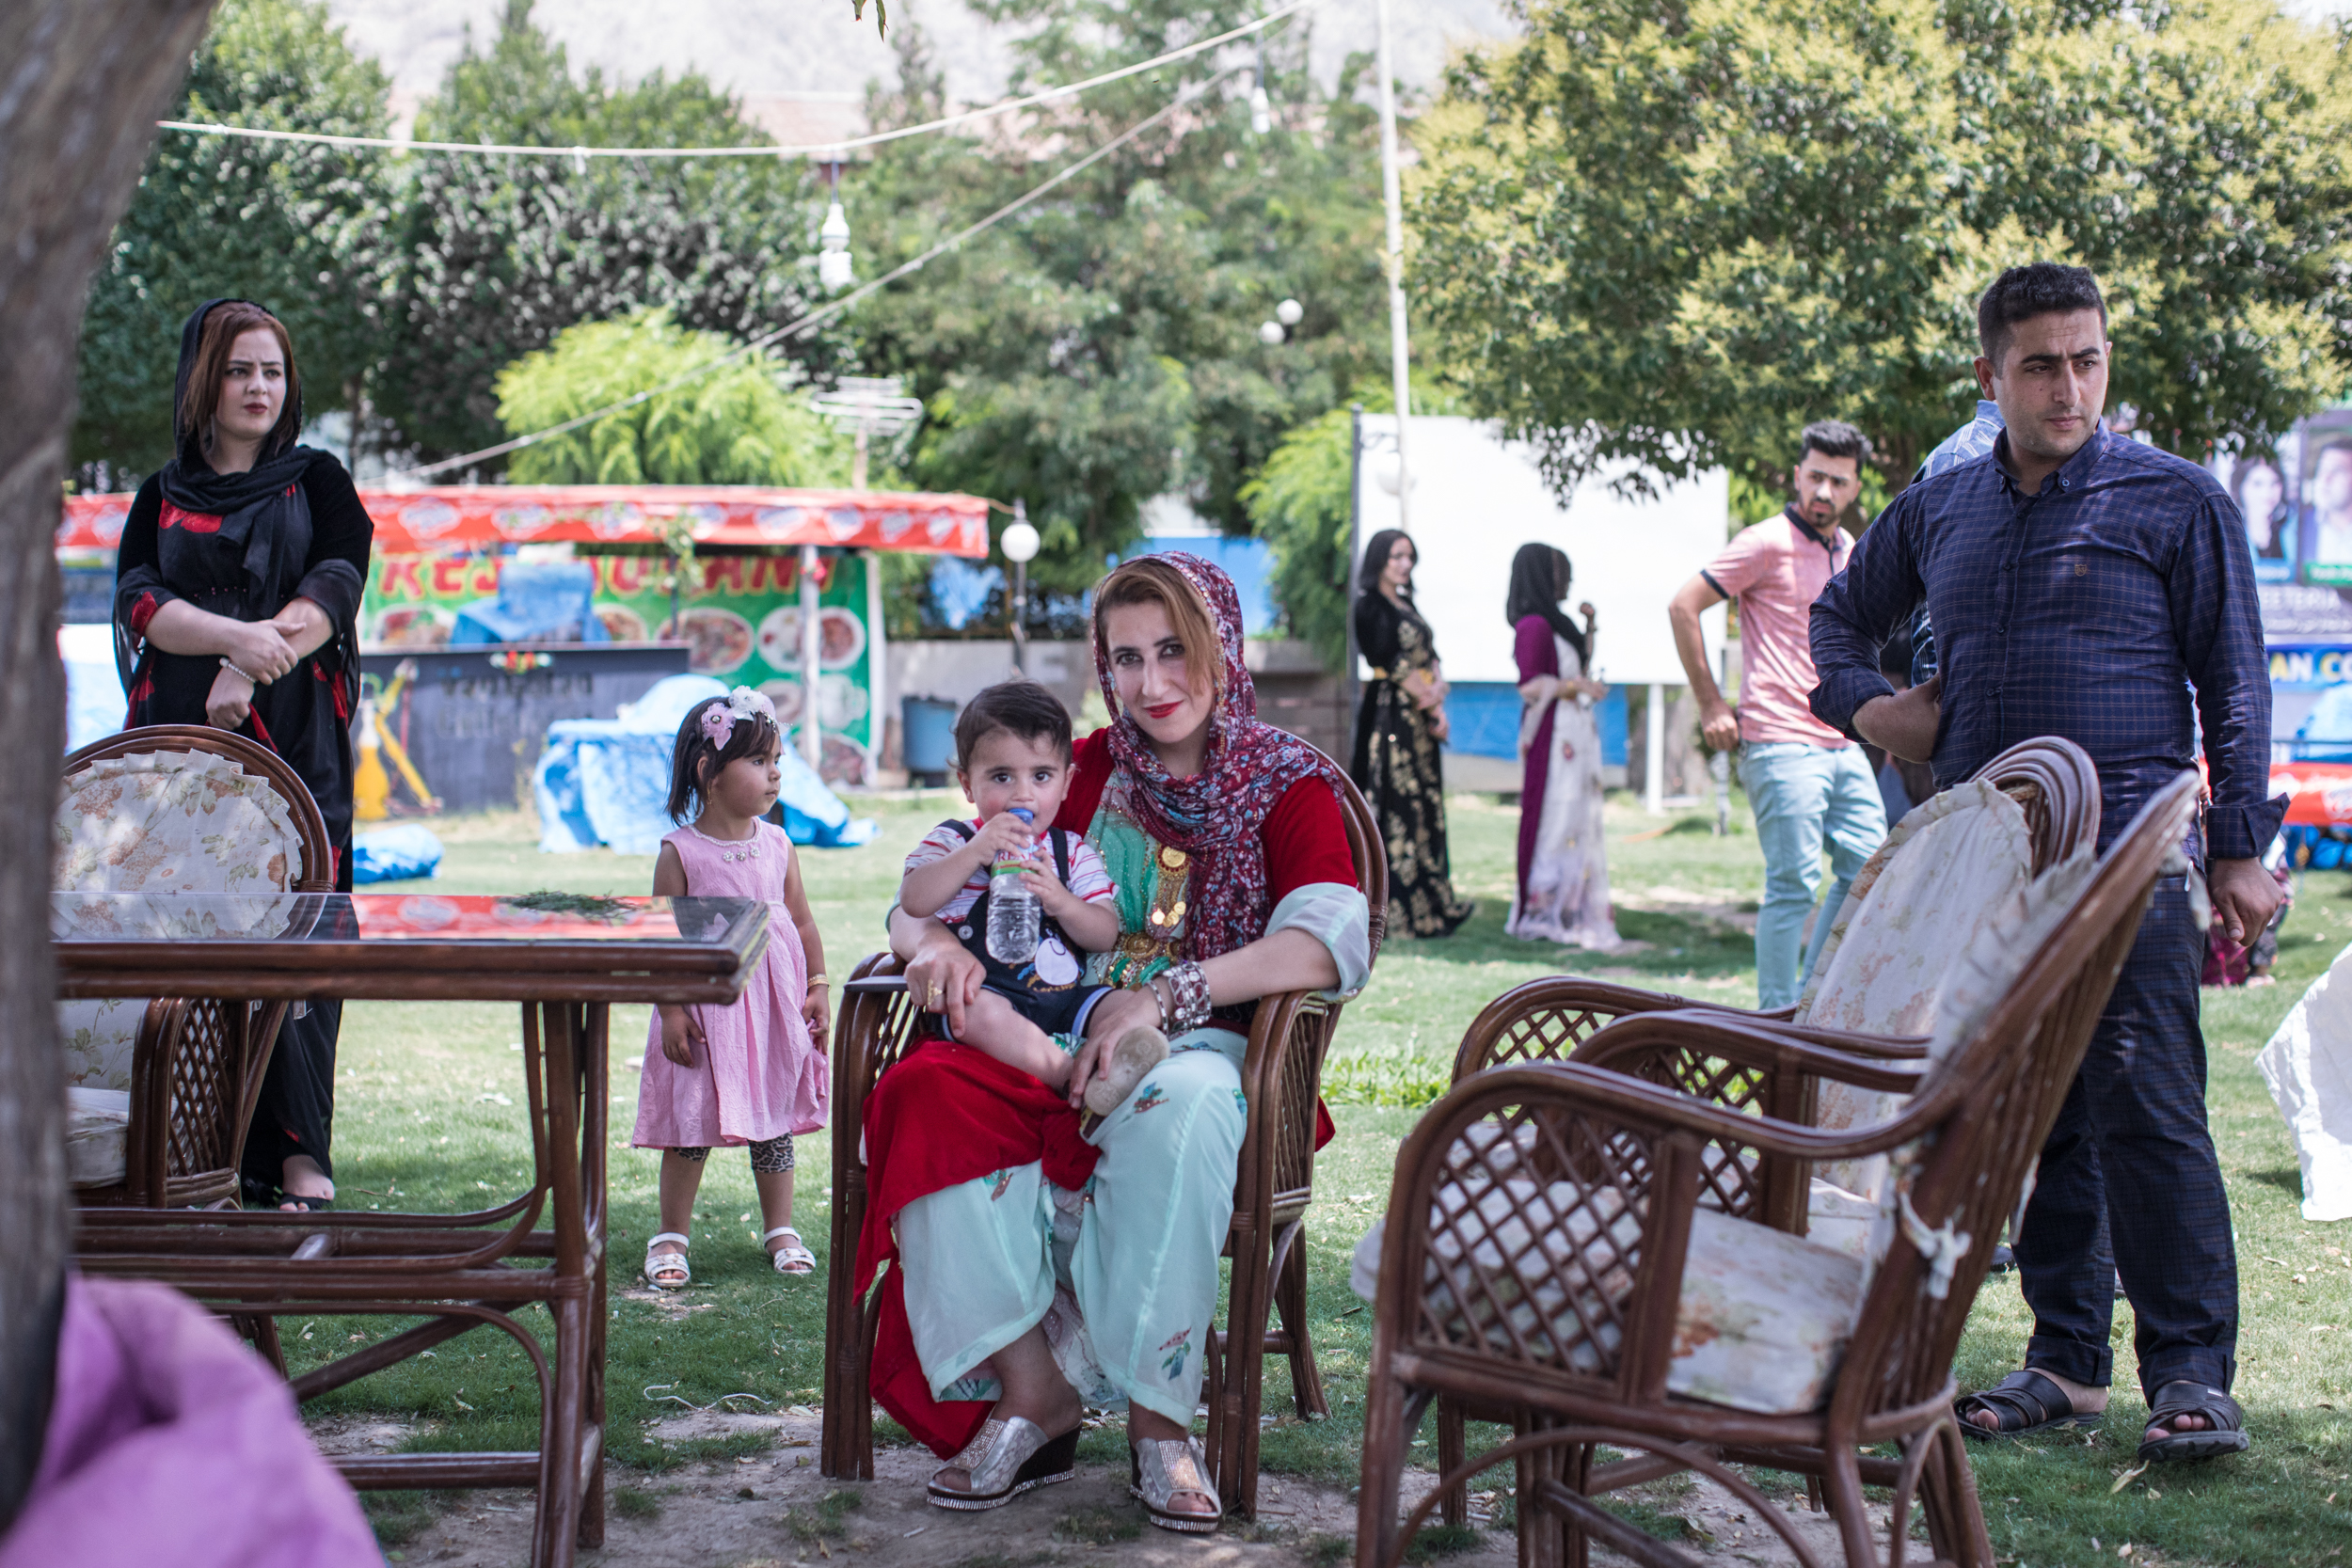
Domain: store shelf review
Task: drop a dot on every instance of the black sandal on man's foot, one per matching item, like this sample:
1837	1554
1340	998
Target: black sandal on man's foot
305	1203
2225	1432
2022	1403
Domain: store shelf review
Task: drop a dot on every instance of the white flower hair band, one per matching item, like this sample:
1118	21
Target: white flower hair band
742	704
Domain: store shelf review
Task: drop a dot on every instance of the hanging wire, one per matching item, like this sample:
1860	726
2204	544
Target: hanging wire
818	317
580	156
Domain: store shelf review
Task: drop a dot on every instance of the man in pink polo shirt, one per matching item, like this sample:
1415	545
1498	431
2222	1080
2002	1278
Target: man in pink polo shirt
1808	784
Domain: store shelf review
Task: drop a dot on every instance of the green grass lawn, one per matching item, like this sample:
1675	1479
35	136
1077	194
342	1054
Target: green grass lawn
429	1117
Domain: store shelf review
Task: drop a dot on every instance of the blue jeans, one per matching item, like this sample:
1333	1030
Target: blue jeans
1803	796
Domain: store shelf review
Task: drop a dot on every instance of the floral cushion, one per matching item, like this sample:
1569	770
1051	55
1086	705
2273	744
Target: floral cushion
1859	1220
1761	1323
174	822
97	1037
96	1134
1998	953
1948	867
162	823
1945	866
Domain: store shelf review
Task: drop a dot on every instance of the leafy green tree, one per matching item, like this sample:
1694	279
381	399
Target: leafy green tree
738	424
1300	503
499	255
1101	348
1677	232
296	227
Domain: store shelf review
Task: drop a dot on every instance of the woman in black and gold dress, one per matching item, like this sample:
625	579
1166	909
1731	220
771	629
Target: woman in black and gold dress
1398	730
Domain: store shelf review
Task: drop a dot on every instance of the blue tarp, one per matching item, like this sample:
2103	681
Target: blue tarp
548	600
94	703
1484	716
607	781
395	854
2331	720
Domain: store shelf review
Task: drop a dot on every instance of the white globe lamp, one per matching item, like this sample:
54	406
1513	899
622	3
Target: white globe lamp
1019	542
833	267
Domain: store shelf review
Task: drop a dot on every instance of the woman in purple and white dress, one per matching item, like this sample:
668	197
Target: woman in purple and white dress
1564	877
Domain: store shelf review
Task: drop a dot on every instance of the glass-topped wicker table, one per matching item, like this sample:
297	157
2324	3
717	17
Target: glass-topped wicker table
566	965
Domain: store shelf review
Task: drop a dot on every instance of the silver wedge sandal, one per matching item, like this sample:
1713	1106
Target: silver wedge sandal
1162	1468
1005	1460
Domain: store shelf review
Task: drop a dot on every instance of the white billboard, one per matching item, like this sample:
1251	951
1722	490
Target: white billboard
1475	498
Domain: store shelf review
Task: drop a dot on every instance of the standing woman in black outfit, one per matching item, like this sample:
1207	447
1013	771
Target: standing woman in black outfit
237	605
1399	728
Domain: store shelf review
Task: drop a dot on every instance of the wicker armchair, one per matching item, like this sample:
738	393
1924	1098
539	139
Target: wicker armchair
1553	1244
1273	1187
188	1073
1566	1019
1547	1019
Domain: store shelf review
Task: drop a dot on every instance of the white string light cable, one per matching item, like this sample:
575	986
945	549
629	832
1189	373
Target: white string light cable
581	154
818	317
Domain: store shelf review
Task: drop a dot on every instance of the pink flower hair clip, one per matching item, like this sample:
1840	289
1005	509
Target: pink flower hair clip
743	704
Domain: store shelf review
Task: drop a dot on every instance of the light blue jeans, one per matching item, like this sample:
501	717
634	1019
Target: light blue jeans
1805	795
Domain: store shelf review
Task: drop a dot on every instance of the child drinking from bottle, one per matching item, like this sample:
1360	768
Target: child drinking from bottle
1012	756
753	1072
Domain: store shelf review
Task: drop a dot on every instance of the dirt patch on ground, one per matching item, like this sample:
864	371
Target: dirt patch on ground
772	1509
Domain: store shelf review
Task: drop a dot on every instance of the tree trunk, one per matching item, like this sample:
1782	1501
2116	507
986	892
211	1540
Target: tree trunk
81	83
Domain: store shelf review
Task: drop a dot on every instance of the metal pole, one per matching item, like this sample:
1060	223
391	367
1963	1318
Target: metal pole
1351	696
812	742
1392	263
1654	751
877	668
1021	616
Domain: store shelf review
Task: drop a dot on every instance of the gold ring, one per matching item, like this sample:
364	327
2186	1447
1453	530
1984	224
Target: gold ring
935	991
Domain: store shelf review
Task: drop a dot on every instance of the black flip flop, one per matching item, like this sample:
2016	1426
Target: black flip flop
2227	1434
2030	1401
305	1203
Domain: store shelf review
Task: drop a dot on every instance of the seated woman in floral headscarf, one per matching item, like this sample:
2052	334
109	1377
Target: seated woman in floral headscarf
1040	1272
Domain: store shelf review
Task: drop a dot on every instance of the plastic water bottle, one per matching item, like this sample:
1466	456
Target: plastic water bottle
1013	908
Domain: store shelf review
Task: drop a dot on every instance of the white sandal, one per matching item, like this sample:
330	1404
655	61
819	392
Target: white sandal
1161	1468
793	1258
659	1265
1132	1059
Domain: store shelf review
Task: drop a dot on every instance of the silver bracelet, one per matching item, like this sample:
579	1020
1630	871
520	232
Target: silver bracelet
234	670
1190	989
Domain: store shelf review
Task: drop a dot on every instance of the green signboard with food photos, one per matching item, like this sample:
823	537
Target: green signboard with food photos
741	613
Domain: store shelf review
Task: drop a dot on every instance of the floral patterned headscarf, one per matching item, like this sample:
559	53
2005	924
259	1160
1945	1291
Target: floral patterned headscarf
1217	815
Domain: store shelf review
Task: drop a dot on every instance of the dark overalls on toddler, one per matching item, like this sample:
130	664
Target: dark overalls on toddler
1046	990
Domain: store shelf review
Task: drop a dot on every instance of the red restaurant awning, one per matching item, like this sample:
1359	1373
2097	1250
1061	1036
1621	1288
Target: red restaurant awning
468	518
2319	793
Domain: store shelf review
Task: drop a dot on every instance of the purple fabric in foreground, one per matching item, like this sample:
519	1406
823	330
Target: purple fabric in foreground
170	1442
1537	655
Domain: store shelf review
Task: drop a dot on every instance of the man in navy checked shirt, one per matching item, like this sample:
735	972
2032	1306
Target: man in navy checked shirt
2080	584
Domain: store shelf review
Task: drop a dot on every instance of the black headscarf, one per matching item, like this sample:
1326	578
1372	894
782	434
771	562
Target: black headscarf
1377	555
1540	575
188	479
239	500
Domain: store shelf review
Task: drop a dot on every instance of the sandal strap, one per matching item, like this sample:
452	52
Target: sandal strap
781	1230
2028	1395
1167	1466
668	1236
2194	1399
968	1459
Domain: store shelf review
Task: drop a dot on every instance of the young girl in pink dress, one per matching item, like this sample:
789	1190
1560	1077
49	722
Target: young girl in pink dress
753	1072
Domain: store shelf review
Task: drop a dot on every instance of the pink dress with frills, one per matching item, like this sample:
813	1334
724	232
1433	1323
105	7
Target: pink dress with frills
758	1075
